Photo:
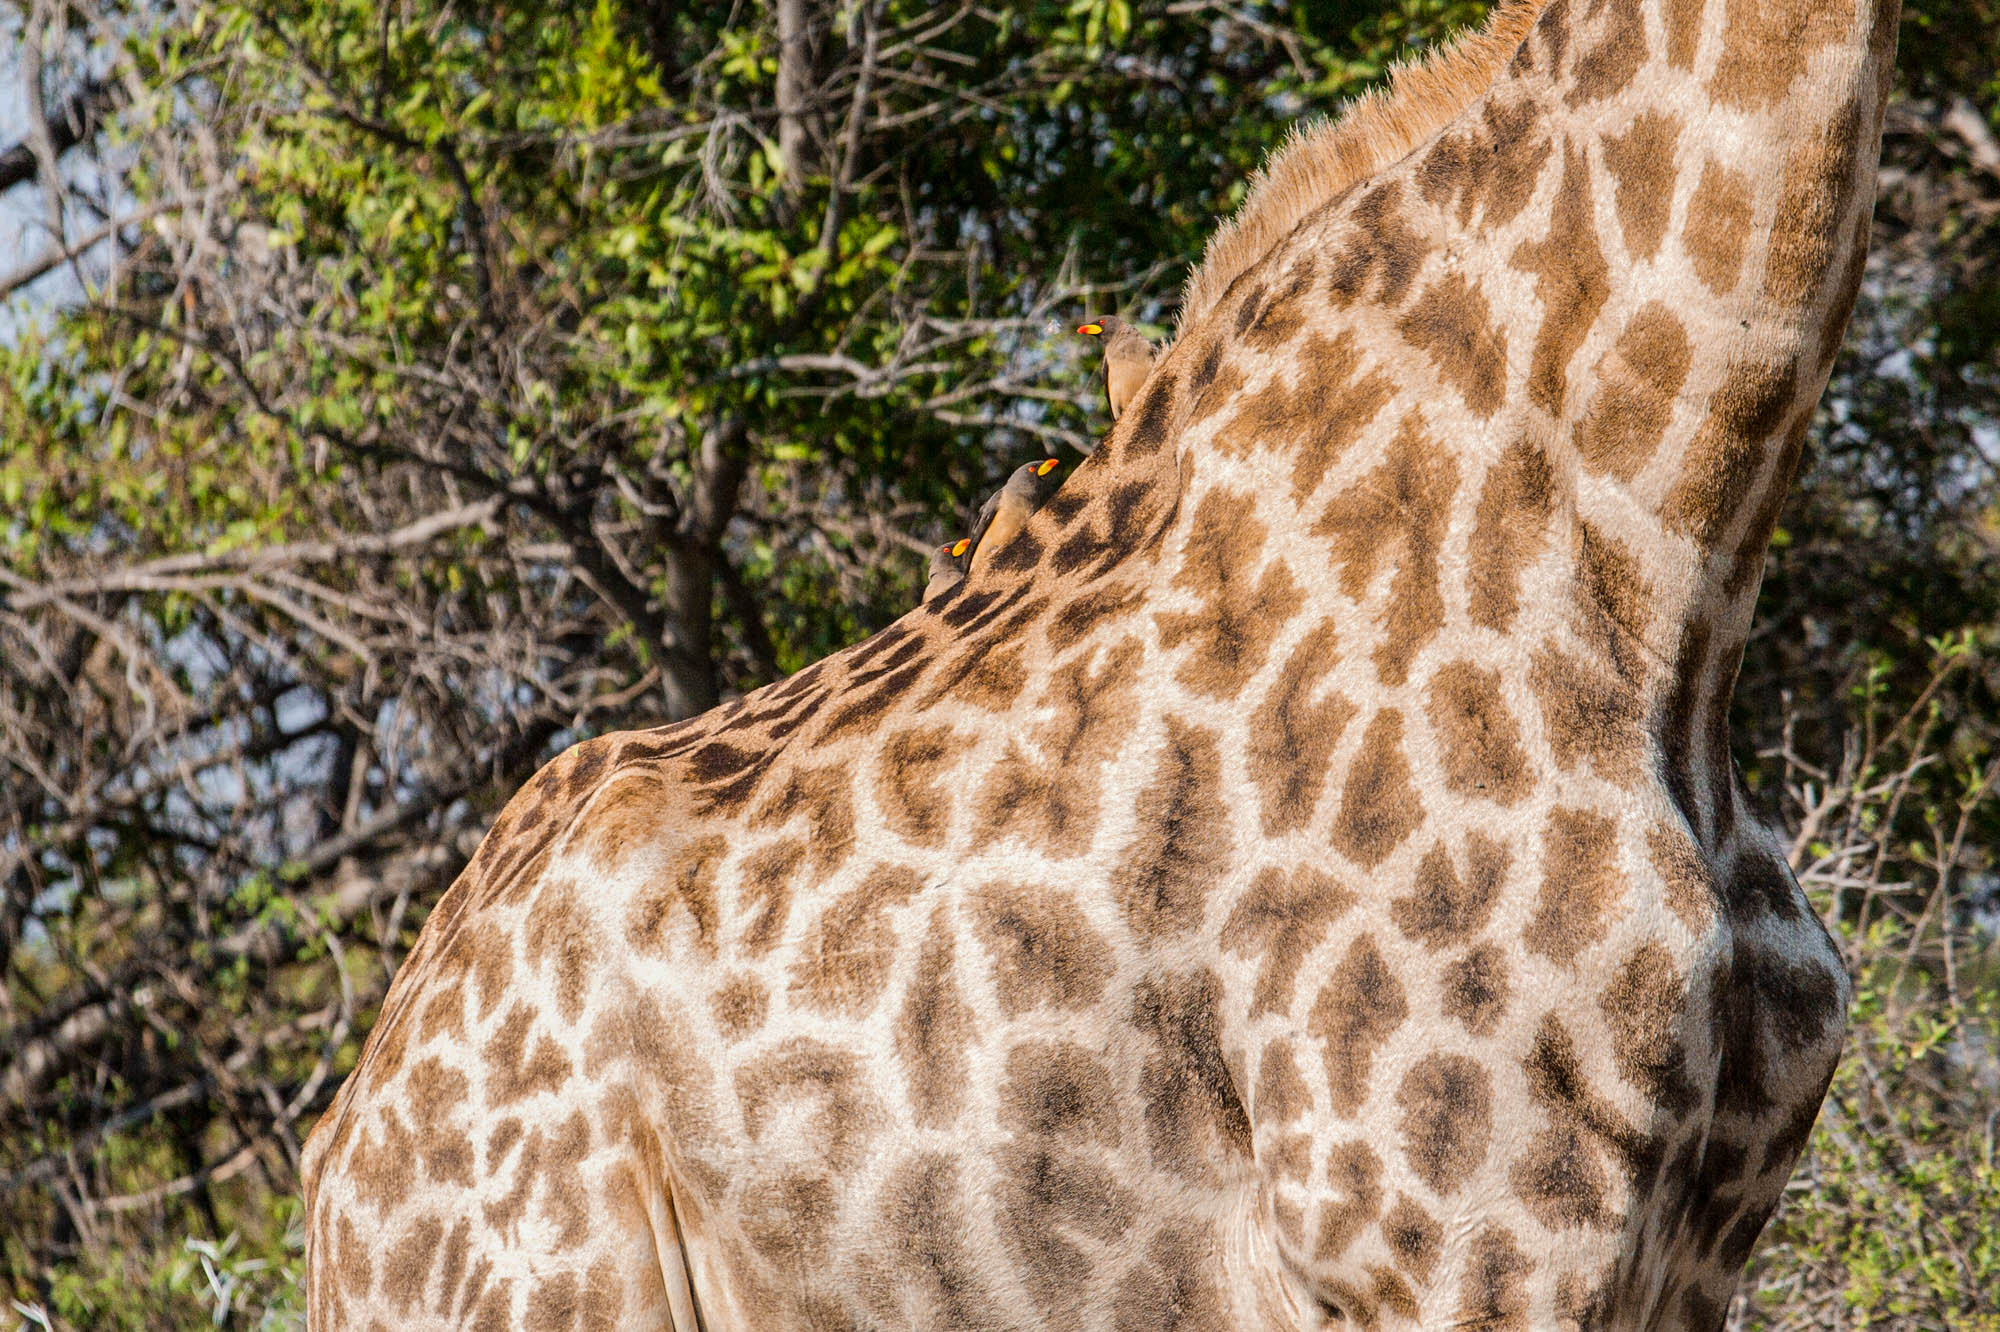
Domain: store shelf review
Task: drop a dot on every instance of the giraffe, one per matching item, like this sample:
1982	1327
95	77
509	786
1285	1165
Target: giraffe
1301	881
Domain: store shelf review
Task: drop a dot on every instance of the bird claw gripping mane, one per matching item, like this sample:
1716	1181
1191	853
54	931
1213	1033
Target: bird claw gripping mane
1299	882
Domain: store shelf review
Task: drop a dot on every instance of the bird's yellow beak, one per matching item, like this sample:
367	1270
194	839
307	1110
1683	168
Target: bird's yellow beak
958	547
1048	465
1091	330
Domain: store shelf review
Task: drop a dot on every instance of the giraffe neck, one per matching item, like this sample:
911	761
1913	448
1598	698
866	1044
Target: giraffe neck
1614	287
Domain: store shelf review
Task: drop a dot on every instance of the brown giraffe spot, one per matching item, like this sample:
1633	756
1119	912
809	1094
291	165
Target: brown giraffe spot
989	678
1291	1221
495	1309
1282	1095
1195	1122
815	1076
1052	797
1269	317
435	1094
1045	1191
1292	736
1289	1156
1769	44
1447	1105
1239	619
1152	415
1224	391
1215	384
1608	68
565	1204
562	934
505	1213
1718	227
1645	1009
868	693
1614	602
786	1216
1043	950
406	1268
1847	289
1358	1009
1493	1293
686	886
1572	280
1475	990
1490	168
1355	1305
1818	197
1683	24
739	1005
357	1274
1379	806
1281	919
1478	738
1453	324
1414	1236
443	1016
1318	416
1393	1293
1638	381
452	1263
623	819
909	790
1580	884
1082	614
821	796
1397	515
1681	722
926	1223
1557	1081
501	1141
1684	877
492	956
1355	1174
1762	885
1183	846
1173	1290
1446	909
512	1071
934	1031
766	879
843	965
1587	716
1561	1181
1641	161
1509	531
1747	562
1377	258
1056	1089
1729	450
474	1295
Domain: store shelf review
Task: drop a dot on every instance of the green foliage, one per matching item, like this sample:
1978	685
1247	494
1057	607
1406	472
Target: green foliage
1893	1219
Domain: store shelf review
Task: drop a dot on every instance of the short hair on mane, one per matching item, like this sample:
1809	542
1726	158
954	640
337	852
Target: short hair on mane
1320	160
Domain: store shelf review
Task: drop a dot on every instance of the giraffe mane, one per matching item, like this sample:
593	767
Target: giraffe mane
1322	159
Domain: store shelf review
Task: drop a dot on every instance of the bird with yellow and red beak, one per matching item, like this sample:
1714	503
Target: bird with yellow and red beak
1003	516
947	569
1128	359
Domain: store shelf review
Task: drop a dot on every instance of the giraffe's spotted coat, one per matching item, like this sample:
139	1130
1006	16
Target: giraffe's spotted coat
1301	882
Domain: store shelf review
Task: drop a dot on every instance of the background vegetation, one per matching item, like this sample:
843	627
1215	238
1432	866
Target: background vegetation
396	391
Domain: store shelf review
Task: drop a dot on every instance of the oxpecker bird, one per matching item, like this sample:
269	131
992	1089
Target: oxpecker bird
1008	511
1128	359
947	568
